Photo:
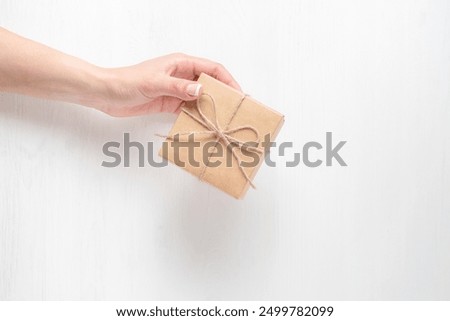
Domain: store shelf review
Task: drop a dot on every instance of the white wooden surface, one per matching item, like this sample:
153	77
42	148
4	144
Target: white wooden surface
375	73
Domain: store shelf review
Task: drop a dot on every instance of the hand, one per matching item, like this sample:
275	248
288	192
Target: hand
157	85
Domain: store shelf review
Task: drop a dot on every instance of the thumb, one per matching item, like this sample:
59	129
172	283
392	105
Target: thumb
181	88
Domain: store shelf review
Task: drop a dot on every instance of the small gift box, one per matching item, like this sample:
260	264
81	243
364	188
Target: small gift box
222	137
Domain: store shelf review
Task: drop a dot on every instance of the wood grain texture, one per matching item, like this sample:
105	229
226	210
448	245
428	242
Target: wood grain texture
376	74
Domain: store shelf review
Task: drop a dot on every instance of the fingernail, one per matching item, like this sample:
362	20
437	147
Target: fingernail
193	89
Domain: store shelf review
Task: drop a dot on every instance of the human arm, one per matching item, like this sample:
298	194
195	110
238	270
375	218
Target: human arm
155	85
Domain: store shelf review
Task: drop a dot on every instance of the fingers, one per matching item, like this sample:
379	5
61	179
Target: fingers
180	88
195	66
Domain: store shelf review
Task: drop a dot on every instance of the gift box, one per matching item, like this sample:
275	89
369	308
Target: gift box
222	137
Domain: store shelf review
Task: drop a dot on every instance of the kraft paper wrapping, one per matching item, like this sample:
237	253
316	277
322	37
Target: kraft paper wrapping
232	111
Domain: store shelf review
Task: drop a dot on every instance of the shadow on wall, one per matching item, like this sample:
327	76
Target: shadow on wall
217	248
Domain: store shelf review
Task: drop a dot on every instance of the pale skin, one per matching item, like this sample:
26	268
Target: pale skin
156	85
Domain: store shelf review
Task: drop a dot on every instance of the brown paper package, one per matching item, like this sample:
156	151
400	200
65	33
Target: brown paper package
232	111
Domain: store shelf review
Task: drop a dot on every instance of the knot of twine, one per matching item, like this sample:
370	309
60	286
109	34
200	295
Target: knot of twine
223	135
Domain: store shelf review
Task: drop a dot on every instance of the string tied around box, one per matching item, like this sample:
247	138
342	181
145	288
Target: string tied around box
223	135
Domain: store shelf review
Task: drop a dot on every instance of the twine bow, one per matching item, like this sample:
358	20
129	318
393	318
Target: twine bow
223	135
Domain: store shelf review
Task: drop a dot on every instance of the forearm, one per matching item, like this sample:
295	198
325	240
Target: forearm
157	85
34	69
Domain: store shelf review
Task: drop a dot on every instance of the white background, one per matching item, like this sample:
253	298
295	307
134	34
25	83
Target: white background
375	73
